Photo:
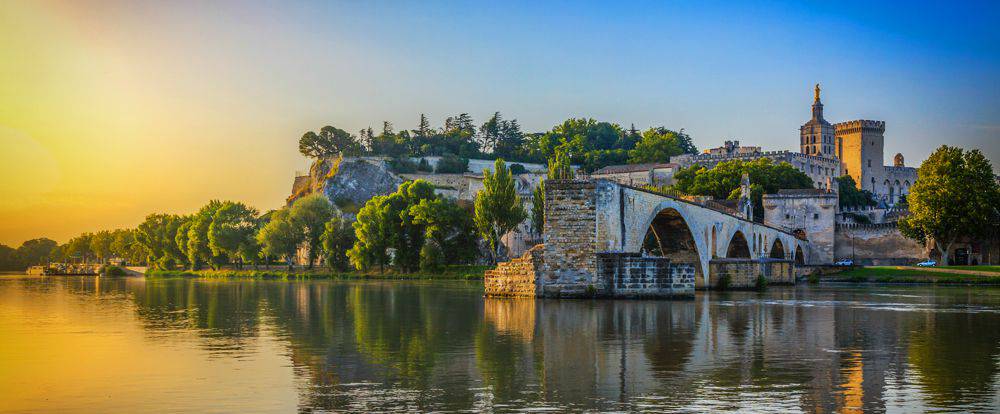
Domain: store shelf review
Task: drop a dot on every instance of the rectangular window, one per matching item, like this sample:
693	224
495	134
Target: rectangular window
815	216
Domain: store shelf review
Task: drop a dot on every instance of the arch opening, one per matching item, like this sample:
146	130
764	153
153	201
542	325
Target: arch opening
777	250
668	235
738	246
799	257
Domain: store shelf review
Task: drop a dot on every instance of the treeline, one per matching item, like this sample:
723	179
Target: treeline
412	228
589	143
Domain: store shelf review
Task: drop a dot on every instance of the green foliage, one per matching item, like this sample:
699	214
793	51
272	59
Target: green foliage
329	142
724	282
386	222
760	283
858	218
518	169
110	270
403	165
498	208
233	232
157	236
35	252
198	250
452	164
850	196
280	237
450	226
337	239
100	245
723	181
311	215
538	209
424	166
659	144
431	258
560	167
955	195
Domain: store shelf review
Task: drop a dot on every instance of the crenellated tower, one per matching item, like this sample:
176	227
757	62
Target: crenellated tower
860	149
816	137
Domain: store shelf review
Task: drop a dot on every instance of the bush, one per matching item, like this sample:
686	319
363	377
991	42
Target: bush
723	283
518	169
452	164
403	165
110	270
424	166
761	283
813	278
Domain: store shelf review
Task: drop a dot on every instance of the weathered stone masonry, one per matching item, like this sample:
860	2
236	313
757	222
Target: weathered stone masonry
517	277
570	238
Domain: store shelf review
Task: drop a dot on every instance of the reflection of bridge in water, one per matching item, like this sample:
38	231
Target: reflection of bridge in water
590	219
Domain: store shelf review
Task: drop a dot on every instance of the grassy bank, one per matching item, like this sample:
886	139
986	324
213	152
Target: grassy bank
458	272
892	275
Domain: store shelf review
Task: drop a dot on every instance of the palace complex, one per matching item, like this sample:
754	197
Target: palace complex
827	151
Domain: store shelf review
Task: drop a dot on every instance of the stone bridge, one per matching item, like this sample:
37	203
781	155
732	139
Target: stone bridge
585	219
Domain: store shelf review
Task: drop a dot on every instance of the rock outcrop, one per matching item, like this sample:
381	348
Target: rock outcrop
346	181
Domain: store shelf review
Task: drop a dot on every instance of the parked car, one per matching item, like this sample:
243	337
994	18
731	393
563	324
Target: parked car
927	263
844	262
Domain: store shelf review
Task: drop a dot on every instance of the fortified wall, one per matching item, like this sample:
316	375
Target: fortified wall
876	244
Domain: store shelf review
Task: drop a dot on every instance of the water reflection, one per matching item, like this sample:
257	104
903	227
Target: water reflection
369	346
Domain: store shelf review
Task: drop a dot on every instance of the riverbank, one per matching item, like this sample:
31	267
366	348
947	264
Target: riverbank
458	272
982	275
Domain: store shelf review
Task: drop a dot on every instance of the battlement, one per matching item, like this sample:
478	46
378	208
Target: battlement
858	125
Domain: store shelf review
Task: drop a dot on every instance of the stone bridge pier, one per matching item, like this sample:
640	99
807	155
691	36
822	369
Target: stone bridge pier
588	219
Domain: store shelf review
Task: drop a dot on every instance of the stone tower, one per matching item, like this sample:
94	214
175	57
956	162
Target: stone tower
860	149
816	137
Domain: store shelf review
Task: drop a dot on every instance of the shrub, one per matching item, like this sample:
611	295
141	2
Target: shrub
403	165
761	283
424	166
723	283
452	164
518	169
813	278
110	270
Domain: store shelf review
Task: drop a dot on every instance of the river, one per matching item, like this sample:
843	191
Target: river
128	345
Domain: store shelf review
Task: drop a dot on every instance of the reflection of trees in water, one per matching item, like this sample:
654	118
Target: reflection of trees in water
956	357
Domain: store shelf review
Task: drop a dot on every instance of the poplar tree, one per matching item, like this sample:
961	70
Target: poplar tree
559	169
498	208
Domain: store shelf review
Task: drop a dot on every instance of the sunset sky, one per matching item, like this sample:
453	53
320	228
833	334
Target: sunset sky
111	110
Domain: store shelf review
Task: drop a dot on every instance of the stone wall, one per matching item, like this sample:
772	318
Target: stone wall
516	277
570	238
811	212
630	275
879	244
743	273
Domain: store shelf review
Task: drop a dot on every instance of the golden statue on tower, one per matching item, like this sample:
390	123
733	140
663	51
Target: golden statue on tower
816	98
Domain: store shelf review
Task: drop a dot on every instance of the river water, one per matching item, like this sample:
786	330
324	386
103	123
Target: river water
131	345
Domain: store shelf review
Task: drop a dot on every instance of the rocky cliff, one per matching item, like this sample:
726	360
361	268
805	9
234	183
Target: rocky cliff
347	182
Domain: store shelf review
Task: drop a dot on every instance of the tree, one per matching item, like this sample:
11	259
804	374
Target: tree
559	169
337	239
233	232
658	145
723	181
79	247
198	250
280	237
498	208
35	251
386	222
328	142
449	227
955	195
9	259
100	245
311	214
158	237
850	196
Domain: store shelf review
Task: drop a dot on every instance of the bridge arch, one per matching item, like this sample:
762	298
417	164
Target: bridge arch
738	246
800	258
777	250
669	234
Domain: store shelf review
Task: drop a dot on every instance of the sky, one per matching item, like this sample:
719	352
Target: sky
111	110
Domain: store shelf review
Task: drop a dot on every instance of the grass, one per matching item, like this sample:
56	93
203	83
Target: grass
893	275
456	272
992	269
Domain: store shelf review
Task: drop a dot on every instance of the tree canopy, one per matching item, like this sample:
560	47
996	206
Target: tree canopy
955	195
723	181
498	208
